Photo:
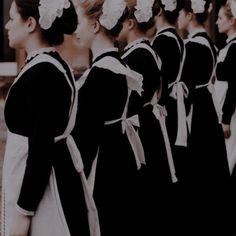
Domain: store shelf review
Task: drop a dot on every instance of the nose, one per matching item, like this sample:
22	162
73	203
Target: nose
7	25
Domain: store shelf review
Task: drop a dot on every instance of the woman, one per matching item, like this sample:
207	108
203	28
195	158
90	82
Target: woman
226	84
108	142
207	167
139	56
42	191
170	48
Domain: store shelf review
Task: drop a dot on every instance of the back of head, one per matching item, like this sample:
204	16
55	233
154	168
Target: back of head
142	12
170	9
109	13
55	17
198	7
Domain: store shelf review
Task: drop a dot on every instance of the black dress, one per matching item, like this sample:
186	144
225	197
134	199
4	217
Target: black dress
207	166
155	178
102	98
170	48
37	110
226	88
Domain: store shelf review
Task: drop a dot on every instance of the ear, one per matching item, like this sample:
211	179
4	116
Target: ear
189	16
160	12
232	21
31	24
96	27
131	24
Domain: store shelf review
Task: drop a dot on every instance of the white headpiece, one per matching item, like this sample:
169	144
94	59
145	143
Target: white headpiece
198	6
233	8
112	10
49	10
170	5
143	11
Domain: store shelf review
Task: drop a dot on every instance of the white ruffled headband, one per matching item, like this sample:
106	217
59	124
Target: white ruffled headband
169	5
49	10
198	6
143	11
233	8
112	11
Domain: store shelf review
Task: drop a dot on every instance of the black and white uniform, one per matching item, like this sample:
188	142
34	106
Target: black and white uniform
225	86
171	50
108	142
39	177
158	172
207	166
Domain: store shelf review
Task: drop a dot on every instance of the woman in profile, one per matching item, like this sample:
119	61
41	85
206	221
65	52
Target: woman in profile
207	167
42	191
108	142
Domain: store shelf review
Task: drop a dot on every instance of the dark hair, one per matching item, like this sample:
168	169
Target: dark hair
201	17
171	16
66	24
129	14
93	10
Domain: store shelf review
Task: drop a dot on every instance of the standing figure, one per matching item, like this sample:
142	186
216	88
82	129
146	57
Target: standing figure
225	86
169	46
157	176
207	166
42	191
109	145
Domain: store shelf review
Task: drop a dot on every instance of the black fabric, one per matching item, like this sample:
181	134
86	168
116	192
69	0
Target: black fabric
38	107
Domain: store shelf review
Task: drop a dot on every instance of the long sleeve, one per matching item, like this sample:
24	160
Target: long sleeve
44	99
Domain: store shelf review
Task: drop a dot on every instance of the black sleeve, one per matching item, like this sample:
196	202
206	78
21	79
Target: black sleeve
46	99
230	100
143	62
168	51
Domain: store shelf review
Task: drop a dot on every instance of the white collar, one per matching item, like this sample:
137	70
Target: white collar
196	31
39	51
137	41
231	37
164	28
104	51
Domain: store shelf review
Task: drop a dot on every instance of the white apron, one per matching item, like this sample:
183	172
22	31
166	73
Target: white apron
179	91
158	111
134	82
221	90
49	219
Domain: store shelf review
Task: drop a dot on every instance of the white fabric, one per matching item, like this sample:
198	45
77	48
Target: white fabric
210	86
49	10
179	92
221	88
134	82
49	209
158	110
160	114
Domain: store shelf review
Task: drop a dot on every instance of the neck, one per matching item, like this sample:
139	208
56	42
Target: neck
231	32
161	22
34	44
101	43
193	26
134	35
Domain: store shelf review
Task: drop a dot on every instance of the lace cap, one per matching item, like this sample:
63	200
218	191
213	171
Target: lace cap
49	10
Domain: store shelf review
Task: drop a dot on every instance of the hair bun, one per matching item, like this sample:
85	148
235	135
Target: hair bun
69	20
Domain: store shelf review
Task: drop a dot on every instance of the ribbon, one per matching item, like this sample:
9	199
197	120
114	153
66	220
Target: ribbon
133	137
160	114
179	91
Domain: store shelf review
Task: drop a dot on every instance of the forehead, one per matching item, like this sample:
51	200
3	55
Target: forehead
13	8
